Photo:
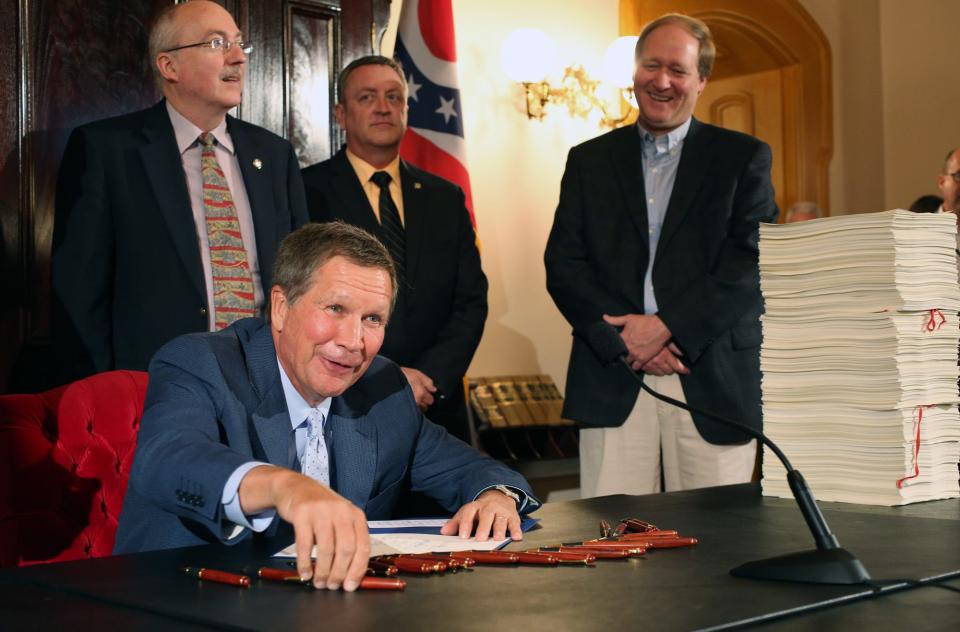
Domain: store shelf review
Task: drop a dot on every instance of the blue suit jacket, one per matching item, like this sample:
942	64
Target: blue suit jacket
215	401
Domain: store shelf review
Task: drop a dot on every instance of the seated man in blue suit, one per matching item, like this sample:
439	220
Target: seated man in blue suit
298	418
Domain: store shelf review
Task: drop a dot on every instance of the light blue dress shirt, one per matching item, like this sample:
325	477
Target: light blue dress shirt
661	157
298	409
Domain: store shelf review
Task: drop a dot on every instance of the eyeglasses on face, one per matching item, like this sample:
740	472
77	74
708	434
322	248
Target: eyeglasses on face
217	43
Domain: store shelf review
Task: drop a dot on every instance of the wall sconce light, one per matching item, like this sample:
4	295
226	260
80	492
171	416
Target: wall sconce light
527	57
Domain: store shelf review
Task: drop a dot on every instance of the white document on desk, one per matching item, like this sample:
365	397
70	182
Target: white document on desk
393	537
397	543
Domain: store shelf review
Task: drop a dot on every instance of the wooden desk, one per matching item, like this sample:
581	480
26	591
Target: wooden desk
678	589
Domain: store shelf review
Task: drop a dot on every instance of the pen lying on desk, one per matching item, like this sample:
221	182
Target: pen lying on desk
375	568
452	563
292	577
385	569
407	564
566	557
487	557
221	577
652	543
600	554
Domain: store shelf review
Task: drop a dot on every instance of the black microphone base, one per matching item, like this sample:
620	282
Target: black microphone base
819	566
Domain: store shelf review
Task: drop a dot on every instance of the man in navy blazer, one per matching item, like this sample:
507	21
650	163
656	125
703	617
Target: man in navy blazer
656	234
442	302
223	438
130	266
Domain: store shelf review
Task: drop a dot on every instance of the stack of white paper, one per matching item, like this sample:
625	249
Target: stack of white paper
859	353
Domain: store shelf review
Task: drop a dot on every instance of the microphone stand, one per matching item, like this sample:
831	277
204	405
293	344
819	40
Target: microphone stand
829	563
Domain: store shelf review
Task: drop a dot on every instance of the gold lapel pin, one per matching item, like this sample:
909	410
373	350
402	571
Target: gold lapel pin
417	185
257	164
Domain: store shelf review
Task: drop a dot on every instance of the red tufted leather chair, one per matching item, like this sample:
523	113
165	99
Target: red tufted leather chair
65	458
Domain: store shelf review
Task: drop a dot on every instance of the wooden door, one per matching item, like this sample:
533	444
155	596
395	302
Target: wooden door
752	104
67	62
766	51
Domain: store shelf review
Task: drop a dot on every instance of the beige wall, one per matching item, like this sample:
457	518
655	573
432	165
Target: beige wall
515	169
921	93
894	64
857	170
893	121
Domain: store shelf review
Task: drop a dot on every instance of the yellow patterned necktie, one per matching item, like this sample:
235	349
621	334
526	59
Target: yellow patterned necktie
233	297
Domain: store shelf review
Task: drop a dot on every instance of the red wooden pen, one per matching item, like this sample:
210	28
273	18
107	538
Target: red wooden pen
221	577
410	565
604	554
543	559
487	557
382	583
366	583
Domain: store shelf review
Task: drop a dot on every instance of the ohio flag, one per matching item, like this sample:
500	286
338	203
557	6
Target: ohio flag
427	51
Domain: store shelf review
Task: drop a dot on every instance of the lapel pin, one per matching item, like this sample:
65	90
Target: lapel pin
417	185
257	164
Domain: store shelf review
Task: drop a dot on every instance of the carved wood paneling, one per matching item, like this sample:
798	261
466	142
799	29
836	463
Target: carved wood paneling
67	62
12	228
312	71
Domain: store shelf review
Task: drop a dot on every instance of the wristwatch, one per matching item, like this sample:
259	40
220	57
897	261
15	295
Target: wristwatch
509	492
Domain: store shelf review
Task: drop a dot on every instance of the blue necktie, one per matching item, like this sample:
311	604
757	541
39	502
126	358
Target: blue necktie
316	462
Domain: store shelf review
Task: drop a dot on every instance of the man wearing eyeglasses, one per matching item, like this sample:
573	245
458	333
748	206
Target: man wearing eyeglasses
168	219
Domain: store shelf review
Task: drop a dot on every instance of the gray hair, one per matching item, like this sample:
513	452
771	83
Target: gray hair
369	60
309	247
163	36
693	26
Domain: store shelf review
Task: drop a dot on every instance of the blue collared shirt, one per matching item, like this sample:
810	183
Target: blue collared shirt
297	409
661	157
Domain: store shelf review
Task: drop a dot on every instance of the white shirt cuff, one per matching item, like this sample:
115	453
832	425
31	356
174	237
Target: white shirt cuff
231	504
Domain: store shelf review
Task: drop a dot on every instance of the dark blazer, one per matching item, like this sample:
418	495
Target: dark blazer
127	275
215	401
705	274
438	321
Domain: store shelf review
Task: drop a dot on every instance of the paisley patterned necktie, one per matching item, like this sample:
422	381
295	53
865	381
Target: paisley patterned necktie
232	282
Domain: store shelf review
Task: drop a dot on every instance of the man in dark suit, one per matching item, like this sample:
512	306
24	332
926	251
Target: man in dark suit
232	418
656	234
141	206
422	219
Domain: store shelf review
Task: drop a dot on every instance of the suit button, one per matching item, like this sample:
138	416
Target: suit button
203	311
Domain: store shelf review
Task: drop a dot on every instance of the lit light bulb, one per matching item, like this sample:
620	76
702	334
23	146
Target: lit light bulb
527	55
618	61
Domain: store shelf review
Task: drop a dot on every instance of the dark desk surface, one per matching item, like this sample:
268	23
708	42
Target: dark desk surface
676	589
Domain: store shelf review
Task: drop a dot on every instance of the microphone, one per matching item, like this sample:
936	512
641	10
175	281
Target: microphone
828	563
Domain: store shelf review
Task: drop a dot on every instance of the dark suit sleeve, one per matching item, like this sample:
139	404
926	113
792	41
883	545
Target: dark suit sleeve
83	259
715	302
571	278
447	359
